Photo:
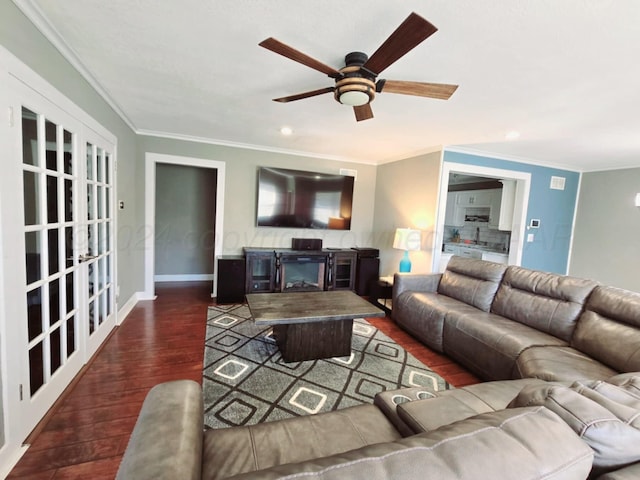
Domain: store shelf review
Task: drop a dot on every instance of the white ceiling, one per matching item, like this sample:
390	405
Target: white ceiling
565	74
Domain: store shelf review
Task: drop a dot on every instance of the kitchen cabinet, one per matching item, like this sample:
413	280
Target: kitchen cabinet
474	198
500	202
453	216
452	249
461	250
469	252
496	208
449	250
495	257
507	205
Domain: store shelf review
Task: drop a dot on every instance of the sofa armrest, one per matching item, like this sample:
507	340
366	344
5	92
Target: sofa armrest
415	282
166	442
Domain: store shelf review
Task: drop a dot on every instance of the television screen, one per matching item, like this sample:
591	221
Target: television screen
299	199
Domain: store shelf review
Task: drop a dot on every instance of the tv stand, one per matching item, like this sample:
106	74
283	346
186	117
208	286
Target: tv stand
280	270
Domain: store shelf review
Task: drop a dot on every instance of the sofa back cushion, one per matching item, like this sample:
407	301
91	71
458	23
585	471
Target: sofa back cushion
609	328
605	416
545	301
471	281
505	445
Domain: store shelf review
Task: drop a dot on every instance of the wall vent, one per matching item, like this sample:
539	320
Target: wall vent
557	183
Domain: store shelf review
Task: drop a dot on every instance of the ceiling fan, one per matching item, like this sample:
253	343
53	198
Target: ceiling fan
355	83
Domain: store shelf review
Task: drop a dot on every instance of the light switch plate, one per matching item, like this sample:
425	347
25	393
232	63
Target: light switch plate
530	237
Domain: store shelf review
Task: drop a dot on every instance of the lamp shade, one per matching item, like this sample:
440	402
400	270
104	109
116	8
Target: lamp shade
407	239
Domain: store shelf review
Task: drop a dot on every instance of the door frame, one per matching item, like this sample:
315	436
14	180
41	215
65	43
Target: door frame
523	186
151	160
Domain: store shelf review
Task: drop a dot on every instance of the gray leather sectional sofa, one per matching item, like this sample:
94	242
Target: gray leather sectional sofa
558	407
508	430
506	322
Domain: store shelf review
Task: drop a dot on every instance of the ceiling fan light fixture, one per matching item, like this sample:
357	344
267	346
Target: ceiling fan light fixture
354	91
354	98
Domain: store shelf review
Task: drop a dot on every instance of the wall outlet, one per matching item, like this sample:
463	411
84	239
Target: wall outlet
530	237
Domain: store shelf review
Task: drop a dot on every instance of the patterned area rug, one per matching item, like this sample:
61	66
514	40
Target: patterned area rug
245	380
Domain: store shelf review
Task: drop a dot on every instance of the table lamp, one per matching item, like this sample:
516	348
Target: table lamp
406	239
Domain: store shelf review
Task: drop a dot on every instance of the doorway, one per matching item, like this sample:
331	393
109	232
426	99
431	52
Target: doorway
152	160
522	186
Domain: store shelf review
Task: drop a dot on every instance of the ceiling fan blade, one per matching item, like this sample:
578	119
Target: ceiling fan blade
421	89
409	34
363	112
297	56
300	96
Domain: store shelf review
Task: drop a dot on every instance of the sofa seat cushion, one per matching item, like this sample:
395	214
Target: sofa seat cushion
472	281
448	406
545	301
490	344
515	444
605	416
422	315
560	364
231	451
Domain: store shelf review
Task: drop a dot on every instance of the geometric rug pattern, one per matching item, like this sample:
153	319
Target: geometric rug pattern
245	380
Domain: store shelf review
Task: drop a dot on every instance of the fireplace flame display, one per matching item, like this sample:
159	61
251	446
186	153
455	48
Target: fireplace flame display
302	273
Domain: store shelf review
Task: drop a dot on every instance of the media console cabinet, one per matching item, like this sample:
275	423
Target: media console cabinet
269	270
288	270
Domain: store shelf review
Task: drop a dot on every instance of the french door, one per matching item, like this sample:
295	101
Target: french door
58	252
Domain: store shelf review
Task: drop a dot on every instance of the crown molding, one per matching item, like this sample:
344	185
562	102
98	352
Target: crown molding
31	10
413	154
511	158
249	146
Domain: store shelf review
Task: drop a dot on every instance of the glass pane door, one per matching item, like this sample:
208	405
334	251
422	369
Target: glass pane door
98	252
57	251
49	181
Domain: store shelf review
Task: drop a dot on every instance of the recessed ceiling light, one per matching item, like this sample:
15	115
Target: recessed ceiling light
286	131
512	135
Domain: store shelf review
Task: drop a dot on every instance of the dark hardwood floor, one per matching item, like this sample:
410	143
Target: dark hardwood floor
87	430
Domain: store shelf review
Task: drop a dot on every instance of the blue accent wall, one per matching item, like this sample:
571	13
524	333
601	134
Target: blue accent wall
555	209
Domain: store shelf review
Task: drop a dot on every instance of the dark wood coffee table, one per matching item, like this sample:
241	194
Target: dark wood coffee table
311	325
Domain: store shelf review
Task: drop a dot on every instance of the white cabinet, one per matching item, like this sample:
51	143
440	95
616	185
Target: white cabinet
496	204
453	216
495	257
507	204
499	201
469	252
452	249
474	198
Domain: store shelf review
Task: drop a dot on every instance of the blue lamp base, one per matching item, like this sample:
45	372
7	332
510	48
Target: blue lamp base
405	263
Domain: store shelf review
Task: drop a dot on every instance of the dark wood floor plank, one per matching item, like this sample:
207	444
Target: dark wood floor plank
87	432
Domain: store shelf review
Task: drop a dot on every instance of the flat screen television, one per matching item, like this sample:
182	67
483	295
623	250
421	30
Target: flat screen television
301	199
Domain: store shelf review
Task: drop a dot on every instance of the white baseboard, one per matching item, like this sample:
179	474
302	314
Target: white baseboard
194	277
128	306
9	457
